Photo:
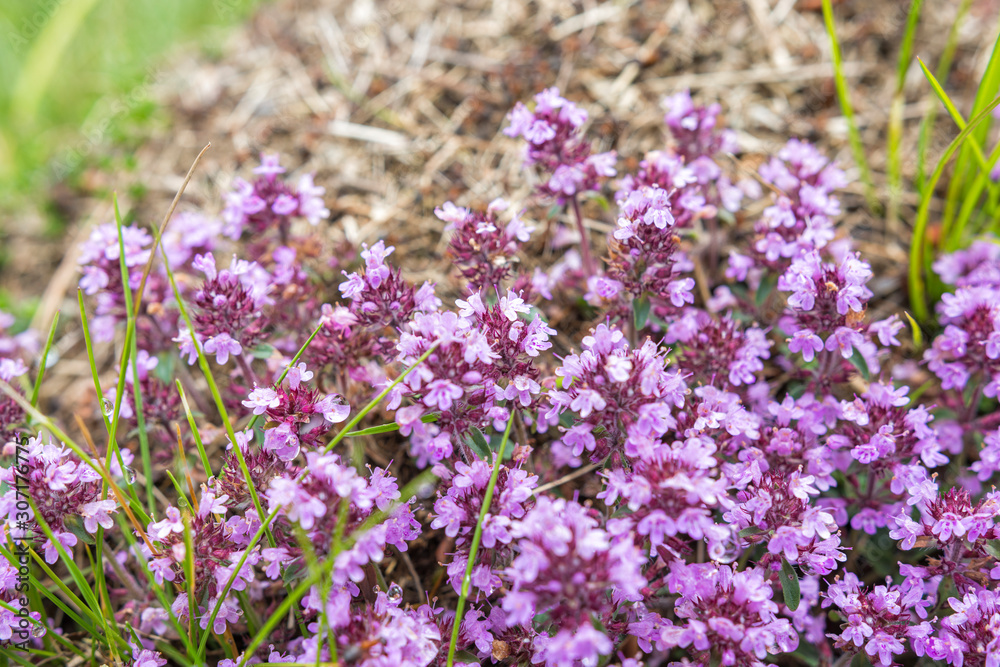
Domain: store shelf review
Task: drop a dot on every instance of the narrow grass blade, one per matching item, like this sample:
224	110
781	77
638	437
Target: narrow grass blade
895	172
374	519
194	430
91	607
947	231
474	547
388	428
214	389
918	293
130	359
971	204
44	360
986	91
163	597
843	96
84	457
55	635
375	401
123	361
930	117
90	355
80	619
295	359
955	115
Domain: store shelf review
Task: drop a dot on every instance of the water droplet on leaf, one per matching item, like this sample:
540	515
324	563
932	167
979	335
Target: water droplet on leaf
395	592
108	407
725	550
129	475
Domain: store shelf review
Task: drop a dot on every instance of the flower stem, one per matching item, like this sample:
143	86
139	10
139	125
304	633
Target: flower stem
588	261
476	537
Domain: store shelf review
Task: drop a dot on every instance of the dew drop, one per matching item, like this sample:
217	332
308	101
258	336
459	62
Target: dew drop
725	550
108	407
129	475
395	592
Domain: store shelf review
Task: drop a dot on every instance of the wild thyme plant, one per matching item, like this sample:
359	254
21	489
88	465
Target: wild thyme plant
729	463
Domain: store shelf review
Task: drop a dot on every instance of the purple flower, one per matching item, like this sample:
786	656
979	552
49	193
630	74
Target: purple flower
806	342
98	513
885	646
844	340
262	398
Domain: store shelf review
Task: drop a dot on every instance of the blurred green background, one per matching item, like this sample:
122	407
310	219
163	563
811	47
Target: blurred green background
76	76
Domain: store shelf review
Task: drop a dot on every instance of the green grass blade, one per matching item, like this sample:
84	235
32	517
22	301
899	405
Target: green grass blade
69	442
295	360
44	360
947	229
140	418
90	356
388	428
213	387
918	294
476	537
129	359
970	205
55	635
895	133
986	91
375	401
857	146
91	607
162	596
930	116
955	115
375	518
194	430
37	586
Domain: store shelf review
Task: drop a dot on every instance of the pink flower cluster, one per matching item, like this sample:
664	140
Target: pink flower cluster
715	451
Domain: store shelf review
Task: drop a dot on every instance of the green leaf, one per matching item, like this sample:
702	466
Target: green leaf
970	393
477	440
165	367
601	201
859	362
807	653
262	351
789	585
918	335
992	547
640	312
860	660
764	290
75	524
751	530
930	117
